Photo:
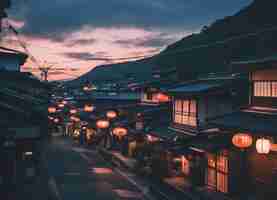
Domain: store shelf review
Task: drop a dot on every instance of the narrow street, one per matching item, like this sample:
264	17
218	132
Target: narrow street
77	173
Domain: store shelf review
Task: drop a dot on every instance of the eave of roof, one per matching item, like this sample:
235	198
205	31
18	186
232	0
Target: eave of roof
253	122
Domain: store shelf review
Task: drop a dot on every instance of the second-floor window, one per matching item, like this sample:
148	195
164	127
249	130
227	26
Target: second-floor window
265	88
185	112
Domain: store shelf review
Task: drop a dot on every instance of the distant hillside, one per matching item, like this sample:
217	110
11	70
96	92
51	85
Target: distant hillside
247	34
138	70
192	55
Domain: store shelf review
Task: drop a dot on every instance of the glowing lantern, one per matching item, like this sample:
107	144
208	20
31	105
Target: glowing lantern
263	146
88	108
102	124
64	102
86	88
242	140
120	131
61	105
56	120
50	118
52	109
151	138
111	114
73	111
162	97
75	119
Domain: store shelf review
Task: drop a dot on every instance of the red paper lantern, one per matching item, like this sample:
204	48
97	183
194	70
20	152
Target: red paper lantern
52	109
111	114
102	124
88	108
162	97
120	131
242	140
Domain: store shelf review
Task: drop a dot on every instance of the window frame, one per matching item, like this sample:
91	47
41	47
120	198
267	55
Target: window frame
217	173
190	113
264	88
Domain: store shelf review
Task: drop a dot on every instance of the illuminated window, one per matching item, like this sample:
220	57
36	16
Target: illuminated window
217	172
185	112
265	88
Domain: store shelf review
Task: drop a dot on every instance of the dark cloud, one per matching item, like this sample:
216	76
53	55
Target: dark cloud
85	56
57	18
157	41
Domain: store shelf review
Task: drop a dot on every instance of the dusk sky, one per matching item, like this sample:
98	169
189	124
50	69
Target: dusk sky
80	34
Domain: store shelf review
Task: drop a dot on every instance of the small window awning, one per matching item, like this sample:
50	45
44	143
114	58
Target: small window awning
253	122
202	145
163	132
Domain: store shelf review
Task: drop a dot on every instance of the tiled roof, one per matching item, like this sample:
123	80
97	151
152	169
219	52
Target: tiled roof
200	86
255	64
254	122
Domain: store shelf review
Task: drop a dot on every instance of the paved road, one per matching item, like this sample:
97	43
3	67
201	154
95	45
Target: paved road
80	174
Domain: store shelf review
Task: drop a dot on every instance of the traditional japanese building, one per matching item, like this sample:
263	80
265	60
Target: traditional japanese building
23	124
23	121
194	104
252	159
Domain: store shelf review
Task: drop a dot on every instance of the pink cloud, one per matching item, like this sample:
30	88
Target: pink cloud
99	40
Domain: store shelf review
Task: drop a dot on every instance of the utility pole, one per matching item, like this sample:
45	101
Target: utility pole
44	70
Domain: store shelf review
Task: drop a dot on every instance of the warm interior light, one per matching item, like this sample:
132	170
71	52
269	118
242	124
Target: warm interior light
242	140
111	114
263	146
102	124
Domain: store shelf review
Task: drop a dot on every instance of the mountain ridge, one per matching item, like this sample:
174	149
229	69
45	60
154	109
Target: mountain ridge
257	16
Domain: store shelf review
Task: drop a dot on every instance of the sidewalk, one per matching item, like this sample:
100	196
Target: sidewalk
169	186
